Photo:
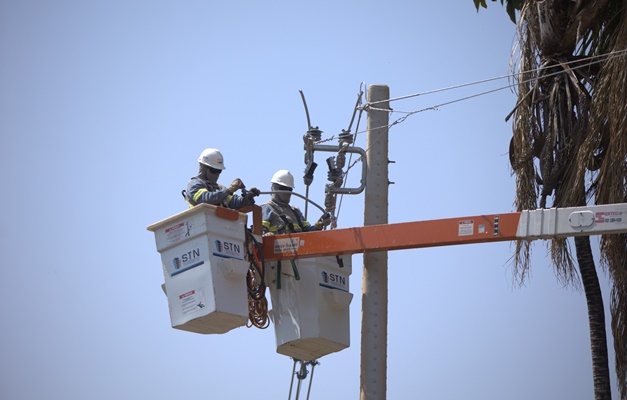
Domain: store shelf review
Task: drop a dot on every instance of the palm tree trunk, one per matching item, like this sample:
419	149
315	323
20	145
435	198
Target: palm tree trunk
596	319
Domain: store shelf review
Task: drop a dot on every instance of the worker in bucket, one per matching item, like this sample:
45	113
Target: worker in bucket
204	188
277	214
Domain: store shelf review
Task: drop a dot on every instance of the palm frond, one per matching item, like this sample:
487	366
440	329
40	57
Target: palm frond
607	150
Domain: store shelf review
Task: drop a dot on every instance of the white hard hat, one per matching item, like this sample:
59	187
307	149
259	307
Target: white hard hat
284	178
212	158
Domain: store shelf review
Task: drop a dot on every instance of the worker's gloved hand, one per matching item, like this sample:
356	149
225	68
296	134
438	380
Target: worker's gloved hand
325	220
268	234
251	194
235	185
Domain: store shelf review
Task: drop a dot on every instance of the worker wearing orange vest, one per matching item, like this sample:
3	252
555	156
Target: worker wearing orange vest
277	214
204	188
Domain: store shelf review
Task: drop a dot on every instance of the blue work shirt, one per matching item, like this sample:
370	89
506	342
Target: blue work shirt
203	191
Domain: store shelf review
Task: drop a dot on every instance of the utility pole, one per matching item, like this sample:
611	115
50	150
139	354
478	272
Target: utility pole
374	308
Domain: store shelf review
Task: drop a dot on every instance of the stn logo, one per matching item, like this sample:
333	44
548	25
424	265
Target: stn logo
228	249
183	262
334	281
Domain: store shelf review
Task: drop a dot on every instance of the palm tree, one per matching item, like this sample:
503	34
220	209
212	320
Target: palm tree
569	146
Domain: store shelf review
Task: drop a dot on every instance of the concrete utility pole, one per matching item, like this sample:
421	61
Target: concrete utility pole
374	314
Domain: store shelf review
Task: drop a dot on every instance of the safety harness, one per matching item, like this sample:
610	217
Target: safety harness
289	225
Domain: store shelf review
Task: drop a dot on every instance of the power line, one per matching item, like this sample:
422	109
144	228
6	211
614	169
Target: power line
591	61
368	106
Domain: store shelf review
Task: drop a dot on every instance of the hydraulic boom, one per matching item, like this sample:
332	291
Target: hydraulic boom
528	225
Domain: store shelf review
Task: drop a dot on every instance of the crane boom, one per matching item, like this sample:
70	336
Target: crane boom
528	225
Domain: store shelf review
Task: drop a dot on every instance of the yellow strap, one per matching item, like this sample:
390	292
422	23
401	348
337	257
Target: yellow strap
198	194
266	224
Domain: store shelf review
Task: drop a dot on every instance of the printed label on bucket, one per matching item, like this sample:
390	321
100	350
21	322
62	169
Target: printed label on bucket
184	260
192	301
289	245
334	281
179	231
227	249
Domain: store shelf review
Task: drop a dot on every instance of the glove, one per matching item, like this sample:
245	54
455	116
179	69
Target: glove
235	185
251	194
325	220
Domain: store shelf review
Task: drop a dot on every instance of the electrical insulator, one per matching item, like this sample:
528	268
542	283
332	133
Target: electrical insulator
309	172
334	172
314	133
329	198
345	137
340	160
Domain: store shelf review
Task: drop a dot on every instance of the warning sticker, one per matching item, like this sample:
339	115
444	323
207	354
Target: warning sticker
179	231
289	245
466	227
608	217
192	301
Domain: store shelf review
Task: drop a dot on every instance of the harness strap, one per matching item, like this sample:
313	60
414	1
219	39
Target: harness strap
284	217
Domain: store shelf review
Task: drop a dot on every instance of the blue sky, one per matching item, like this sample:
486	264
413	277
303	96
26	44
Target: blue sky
104	109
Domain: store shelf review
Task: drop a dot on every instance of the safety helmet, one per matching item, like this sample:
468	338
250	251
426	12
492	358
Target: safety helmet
212	158
284	178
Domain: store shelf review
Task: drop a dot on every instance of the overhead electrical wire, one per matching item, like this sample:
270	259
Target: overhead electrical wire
590	61
368	106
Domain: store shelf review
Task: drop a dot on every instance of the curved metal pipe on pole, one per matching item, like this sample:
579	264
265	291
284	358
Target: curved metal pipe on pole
364	166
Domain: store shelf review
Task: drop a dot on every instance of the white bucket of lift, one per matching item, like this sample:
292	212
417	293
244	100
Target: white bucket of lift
311	315
203	256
